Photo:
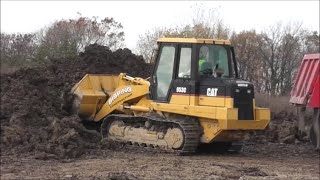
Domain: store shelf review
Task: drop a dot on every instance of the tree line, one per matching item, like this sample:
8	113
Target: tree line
269	58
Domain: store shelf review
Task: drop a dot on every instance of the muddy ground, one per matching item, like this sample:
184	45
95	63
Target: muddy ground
258	161
42	139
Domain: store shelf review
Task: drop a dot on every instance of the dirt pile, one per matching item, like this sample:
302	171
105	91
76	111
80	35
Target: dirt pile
32	120
99	59
281	129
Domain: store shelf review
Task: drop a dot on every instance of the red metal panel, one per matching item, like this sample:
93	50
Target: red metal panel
306	82
315	96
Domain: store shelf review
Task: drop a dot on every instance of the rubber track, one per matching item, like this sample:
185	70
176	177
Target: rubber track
190	127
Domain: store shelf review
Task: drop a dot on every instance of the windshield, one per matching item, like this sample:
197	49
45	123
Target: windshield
213	60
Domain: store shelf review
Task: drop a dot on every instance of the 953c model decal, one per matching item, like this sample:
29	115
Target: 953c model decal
181	90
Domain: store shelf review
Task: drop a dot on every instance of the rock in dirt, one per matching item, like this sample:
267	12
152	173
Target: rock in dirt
289	139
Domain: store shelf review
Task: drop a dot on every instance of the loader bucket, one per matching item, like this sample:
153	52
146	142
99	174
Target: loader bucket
91	92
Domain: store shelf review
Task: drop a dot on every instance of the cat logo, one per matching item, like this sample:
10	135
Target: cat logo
212	91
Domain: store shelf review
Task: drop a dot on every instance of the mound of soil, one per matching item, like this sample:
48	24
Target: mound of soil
32	119
281	129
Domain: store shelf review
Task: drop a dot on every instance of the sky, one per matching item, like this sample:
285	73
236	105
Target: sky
139	16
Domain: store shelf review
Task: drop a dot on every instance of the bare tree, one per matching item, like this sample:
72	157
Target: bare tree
281	50
17	49
65	38
311	43
249	59
205	24
147	43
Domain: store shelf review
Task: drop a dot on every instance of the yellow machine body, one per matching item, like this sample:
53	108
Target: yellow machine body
193	97
101	95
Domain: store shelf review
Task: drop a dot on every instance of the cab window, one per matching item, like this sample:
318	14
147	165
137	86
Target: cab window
185	63
164	71
213	61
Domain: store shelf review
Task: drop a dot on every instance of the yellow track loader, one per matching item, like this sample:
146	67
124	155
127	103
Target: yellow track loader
193	97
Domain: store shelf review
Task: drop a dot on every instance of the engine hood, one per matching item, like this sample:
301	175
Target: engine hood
228	87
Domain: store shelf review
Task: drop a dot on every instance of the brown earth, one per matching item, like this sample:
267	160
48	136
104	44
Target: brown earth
282	129
32	117
41	139
258	161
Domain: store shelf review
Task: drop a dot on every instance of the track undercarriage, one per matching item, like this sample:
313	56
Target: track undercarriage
175	134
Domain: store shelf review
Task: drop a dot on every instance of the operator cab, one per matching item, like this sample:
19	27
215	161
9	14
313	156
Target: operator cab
196	67
212	60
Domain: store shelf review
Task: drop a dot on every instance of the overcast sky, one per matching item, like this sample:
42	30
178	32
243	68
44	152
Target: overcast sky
139	16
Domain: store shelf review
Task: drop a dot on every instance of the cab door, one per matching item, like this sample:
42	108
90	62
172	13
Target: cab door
163	73
181	88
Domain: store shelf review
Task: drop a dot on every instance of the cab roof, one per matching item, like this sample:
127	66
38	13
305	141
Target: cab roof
194	40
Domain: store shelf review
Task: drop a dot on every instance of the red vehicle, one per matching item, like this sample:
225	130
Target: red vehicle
306	93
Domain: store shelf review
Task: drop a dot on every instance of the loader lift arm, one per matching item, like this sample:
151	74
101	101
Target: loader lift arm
99	98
